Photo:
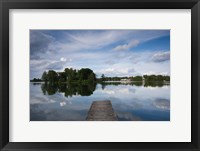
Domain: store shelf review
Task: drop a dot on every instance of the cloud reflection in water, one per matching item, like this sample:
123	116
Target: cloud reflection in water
130	102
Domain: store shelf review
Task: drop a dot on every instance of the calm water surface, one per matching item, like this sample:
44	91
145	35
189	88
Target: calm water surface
131	102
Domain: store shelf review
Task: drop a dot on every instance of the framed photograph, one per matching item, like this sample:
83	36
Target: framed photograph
91	75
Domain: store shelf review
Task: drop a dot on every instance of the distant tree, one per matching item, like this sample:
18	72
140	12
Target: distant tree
84	73
70	74
52	77
103	77
66	71
92	78
36	80
136	78
159	78
61	77
44	76
156	78
166	78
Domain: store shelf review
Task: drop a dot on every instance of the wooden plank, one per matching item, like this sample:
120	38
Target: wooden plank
101	111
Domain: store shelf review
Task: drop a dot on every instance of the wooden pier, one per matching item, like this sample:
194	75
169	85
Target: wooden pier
101	111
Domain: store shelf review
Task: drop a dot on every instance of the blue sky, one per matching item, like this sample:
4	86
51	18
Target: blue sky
109	52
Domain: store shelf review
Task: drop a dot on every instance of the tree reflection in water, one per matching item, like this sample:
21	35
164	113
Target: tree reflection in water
138	83
71	89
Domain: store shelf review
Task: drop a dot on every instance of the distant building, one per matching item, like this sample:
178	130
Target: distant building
125	80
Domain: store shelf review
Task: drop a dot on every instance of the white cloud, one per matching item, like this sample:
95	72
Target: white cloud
98	39
63	59
163	73
117	71
156	73
127	46
161	56
57	65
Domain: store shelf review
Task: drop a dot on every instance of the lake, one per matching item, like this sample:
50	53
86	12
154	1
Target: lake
71	102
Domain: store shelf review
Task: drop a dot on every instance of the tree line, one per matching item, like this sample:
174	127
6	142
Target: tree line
150	78
69	75
86	75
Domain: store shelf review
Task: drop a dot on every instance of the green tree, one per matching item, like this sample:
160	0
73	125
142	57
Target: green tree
61	77
66	71
136	78
92	78
44	76
103	77
84	74
52	77
157	78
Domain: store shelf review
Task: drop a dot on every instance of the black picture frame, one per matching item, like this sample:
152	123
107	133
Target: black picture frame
5	5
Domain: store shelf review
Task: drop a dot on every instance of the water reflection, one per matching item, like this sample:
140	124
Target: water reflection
71	102
69	89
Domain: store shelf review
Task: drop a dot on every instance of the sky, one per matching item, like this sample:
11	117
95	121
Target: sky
109	52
